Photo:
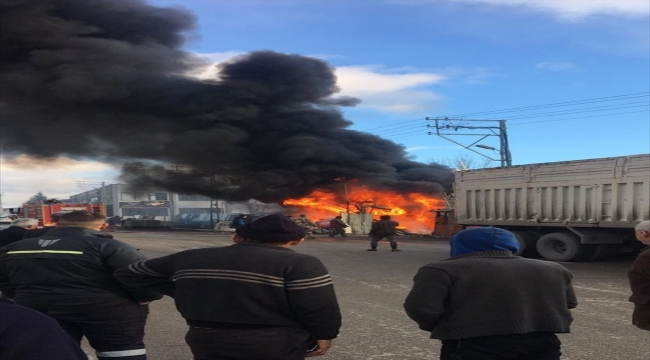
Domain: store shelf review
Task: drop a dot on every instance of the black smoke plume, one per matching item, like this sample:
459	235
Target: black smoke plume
104	79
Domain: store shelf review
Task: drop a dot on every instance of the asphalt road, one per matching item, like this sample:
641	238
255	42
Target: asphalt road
371	287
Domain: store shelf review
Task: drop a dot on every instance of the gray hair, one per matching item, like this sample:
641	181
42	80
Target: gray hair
643	226
24	222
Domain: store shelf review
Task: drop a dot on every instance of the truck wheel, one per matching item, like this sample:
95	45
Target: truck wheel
563	247
526	244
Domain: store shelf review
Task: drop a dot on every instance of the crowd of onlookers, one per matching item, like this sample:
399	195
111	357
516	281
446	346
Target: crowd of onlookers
259	299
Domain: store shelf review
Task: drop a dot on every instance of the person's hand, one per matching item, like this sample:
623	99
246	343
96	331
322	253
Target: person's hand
323	346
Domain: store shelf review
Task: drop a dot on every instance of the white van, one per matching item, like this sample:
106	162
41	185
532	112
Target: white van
5	222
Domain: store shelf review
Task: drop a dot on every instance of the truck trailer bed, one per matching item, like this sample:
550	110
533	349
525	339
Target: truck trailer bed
606	192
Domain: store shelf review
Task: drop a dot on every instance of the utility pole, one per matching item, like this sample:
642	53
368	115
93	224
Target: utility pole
211	214
347	200
450	126
82	183
347	197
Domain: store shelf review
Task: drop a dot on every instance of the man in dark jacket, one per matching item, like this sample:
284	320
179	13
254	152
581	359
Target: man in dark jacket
38	232
639	276
384	228
256	299
16	231
26	334
337	226
68	274
486	303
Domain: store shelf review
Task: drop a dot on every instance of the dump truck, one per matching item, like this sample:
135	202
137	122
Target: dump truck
582	210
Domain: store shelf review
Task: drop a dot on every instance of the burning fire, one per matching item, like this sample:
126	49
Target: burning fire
412	211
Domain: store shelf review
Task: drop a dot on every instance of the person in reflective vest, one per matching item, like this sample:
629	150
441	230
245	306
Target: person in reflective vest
68	274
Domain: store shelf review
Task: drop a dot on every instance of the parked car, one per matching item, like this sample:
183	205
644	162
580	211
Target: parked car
5	222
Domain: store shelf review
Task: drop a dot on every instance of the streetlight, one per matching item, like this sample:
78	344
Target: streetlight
485	147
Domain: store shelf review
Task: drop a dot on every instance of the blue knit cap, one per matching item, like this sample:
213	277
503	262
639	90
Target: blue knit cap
482	239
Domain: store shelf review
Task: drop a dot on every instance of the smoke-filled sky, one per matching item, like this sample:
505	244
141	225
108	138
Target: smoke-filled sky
86	79
105	80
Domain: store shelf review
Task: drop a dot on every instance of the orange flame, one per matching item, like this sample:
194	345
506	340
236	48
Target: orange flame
412	211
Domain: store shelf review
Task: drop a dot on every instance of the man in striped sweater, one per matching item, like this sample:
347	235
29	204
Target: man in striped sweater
254	299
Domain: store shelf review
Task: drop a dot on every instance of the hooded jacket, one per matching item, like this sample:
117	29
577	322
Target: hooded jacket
482	239
484	290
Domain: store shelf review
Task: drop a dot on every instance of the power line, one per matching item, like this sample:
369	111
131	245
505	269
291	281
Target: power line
401	127
559	104
401	122
394	127
412	133
582	117
408	134
578	112
486	128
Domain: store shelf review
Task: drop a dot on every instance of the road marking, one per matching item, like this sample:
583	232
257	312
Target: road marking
602	290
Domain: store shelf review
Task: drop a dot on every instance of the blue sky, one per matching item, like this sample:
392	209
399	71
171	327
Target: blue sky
580	70
410	60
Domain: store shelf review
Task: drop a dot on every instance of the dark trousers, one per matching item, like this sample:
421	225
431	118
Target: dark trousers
249	344
531	346
391	239
336	231
641	316
115	332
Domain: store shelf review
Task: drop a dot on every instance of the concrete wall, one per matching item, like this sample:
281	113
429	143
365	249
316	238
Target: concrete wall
359	224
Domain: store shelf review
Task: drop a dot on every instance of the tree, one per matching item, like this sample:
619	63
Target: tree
39	198
465	162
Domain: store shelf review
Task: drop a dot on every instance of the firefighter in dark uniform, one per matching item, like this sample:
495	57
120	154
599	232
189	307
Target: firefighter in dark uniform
68	274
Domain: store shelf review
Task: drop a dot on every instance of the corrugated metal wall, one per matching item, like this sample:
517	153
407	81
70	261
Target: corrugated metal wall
608	192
